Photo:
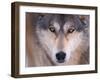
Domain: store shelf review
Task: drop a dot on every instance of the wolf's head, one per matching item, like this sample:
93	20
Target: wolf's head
63	37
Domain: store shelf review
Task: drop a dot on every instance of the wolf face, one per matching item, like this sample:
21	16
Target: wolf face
63	37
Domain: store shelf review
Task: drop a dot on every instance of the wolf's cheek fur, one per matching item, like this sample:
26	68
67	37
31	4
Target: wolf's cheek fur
47	40
74	47
73	41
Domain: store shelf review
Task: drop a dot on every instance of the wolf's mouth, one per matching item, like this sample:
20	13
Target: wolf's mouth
61	61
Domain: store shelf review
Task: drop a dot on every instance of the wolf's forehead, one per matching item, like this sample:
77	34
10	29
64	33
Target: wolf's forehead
61	20
67	21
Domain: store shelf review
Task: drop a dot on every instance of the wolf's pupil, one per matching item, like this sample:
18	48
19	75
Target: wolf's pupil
71	30
52	29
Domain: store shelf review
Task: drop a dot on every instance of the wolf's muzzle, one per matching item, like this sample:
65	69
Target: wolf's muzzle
60	56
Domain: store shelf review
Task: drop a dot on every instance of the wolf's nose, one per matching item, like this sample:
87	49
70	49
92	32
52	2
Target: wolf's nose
60	56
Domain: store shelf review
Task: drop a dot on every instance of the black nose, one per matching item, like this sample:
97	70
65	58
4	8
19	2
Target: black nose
61	56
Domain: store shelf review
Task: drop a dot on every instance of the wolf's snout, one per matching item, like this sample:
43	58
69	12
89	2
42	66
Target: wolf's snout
60	56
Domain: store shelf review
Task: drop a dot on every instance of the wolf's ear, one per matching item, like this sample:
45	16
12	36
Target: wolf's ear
40	17
84	19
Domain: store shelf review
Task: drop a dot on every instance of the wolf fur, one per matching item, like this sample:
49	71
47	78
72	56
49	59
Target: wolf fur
42	45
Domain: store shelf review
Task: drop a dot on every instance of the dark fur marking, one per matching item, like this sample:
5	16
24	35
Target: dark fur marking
45	21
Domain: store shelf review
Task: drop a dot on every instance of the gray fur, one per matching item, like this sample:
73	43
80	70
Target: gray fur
44	21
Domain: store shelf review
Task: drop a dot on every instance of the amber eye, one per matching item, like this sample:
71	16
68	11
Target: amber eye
71	30
52	29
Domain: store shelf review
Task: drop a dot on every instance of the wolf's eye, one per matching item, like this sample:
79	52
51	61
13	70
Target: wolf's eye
52	29
71	30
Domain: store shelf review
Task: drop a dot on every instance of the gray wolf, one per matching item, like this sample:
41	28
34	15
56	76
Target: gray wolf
59	39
